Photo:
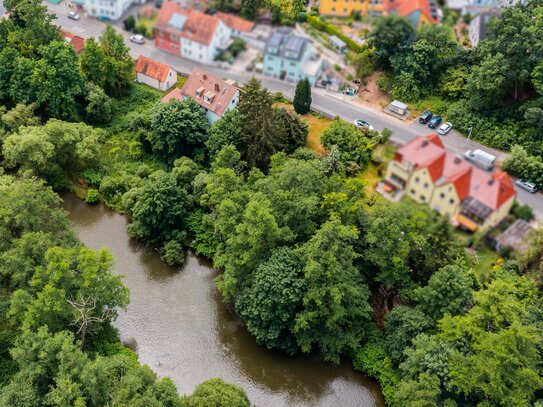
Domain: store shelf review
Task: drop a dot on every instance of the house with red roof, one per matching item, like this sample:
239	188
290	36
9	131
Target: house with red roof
215	95
419	12
238	25
155	74
190	33
77	42
472	198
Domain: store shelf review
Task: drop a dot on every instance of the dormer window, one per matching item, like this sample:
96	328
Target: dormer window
208	96
199	92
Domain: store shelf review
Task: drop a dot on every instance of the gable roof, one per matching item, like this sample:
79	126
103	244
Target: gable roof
406	8
424	152
286	45
235	22
152	68
188	23
220	92
75	40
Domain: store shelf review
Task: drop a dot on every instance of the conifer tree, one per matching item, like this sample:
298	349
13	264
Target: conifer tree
302	97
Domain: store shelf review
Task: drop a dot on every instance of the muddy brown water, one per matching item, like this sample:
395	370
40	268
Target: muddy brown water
180	327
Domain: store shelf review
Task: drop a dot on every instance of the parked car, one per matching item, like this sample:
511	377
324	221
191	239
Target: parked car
481	159
72	15
137	39
526	185
361	124
434	122
444	128
425	117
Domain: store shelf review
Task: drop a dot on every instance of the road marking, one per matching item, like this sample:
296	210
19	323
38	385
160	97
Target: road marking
78	29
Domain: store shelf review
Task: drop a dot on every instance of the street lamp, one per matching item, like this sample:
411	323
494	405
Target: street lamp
469	136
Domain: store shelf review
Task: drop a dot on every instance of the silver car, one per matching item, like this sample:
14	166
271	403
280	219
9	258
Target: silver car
137	39
72	15
362	124
527	185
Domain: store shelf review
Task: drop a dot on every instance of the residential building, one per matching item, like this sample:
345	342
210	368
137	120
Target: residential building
106	9
289	57
478	27
239	26
418	11
191	34
472	198
77	42
155	74
215	95
473	6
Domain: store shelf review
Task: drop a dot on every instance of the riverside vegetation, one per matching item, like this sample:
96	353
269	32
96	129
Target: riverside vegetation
307	256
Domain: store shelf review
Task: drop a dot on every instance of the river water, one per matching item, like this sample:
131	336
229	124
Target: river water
180	327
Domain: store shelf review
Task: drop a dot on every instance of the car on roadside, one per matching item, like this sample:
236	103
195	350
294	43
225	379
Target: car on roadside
137	39
529	186
362	124
72	15
444	128
425	117
481	159
435	122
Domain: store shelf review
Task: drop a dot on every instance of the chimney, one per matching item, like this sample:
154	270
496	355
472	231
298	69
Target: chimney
490	181
204	77
425	142
217	87
457	160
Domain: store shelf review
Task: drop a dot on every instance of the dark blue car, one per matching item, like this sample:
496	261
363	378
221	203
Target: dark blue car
434	122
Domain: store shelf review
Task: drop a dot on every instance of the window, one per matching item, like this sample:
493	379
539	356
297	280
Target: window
422	198
412	192
293	64
345	10
451	201
426	185
442	195
417	179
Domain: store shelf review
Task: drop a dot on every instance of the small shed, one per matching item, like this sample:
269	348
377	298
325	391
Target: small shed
338	43
515	237
398	107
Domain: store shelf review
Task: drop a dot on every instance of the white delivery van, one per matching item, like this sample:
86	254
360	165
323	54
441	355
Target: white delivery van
481	159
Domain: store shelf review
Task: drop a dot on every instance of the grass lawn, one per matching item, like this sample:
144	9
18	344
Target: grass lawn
317	124
180	81
148	23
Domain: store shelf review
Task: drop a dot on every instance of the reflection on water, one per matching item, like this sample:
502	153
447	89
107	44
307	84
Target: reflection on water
181	328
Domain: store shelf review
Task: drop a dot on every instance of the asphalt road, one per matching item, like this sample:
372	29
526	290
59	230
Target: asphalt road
327	102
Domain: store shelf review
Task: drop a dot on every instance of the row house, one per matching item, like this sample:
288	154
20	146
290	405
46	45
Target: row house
427	173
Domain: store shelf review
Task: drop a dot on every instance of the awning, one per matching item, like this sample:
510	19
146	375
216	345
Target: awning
467	223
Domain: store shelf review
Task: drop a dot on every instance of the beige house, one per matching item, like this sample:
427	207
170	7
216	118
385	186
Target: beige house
427	173
155	74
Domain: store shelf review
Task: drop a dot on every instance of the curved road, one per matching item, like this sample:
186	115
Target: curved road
324	101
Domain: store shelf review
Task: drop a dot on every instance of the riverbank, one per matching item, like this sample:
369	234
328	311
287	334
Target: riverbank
181	328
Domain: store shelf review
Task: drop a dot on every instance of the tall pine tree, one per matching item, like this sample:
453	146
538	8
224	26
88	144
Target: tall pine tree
302	97
260	130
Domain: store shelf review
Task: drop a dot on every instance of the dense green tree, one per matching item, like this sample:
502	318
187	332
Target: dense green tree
270	304
532	260
335	310
390	36
20	115
250	8
159	209
225	131
260	130
56	150
302	97
403	324
75	289
423	392
217	393
99	107
453	81
178	128
487	83
351	142
295	130
449	290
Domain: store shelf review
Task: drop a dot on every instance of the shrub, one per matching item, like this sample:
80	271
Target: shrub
173	253
129	23
92	196
301	17
384	83
92	178
320	25
523	212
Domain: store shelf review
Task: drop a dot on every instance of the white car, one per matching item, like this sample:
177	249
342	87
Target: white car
137	39
361	124
444	128
72	15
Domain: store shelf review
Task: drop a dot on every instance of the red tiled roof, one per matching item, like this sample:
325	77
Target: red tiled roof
199	27
77	42
223	92
421	151
405	8
235	22
458	172
152	68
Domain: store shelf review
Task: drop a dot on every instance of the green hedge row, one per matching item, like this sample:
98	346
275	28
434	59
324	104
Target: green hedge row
320	25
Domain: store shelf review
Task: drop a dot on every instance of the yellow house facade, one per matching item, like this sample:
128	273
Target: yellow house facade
420	187
445	200
345	8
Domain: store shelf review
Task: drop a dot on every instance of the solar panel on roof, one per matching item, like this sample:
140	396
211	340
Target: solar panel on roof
177	21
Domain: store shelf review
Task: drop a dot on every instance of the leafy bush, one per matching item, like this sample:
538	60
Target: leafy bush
524	212
92	196
92	177
173	253
384	83
301	17
320	25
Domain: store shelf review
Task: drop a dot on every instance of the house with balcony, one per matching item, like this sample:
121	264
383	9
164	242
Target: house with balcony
428	174
214	95
289	57
190	33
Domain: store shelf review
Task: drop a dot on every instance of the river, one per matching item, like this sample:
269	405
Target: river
180	327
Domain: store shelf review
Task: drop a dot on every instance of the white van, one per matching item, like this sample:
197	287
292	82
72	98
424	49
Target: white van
481	159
